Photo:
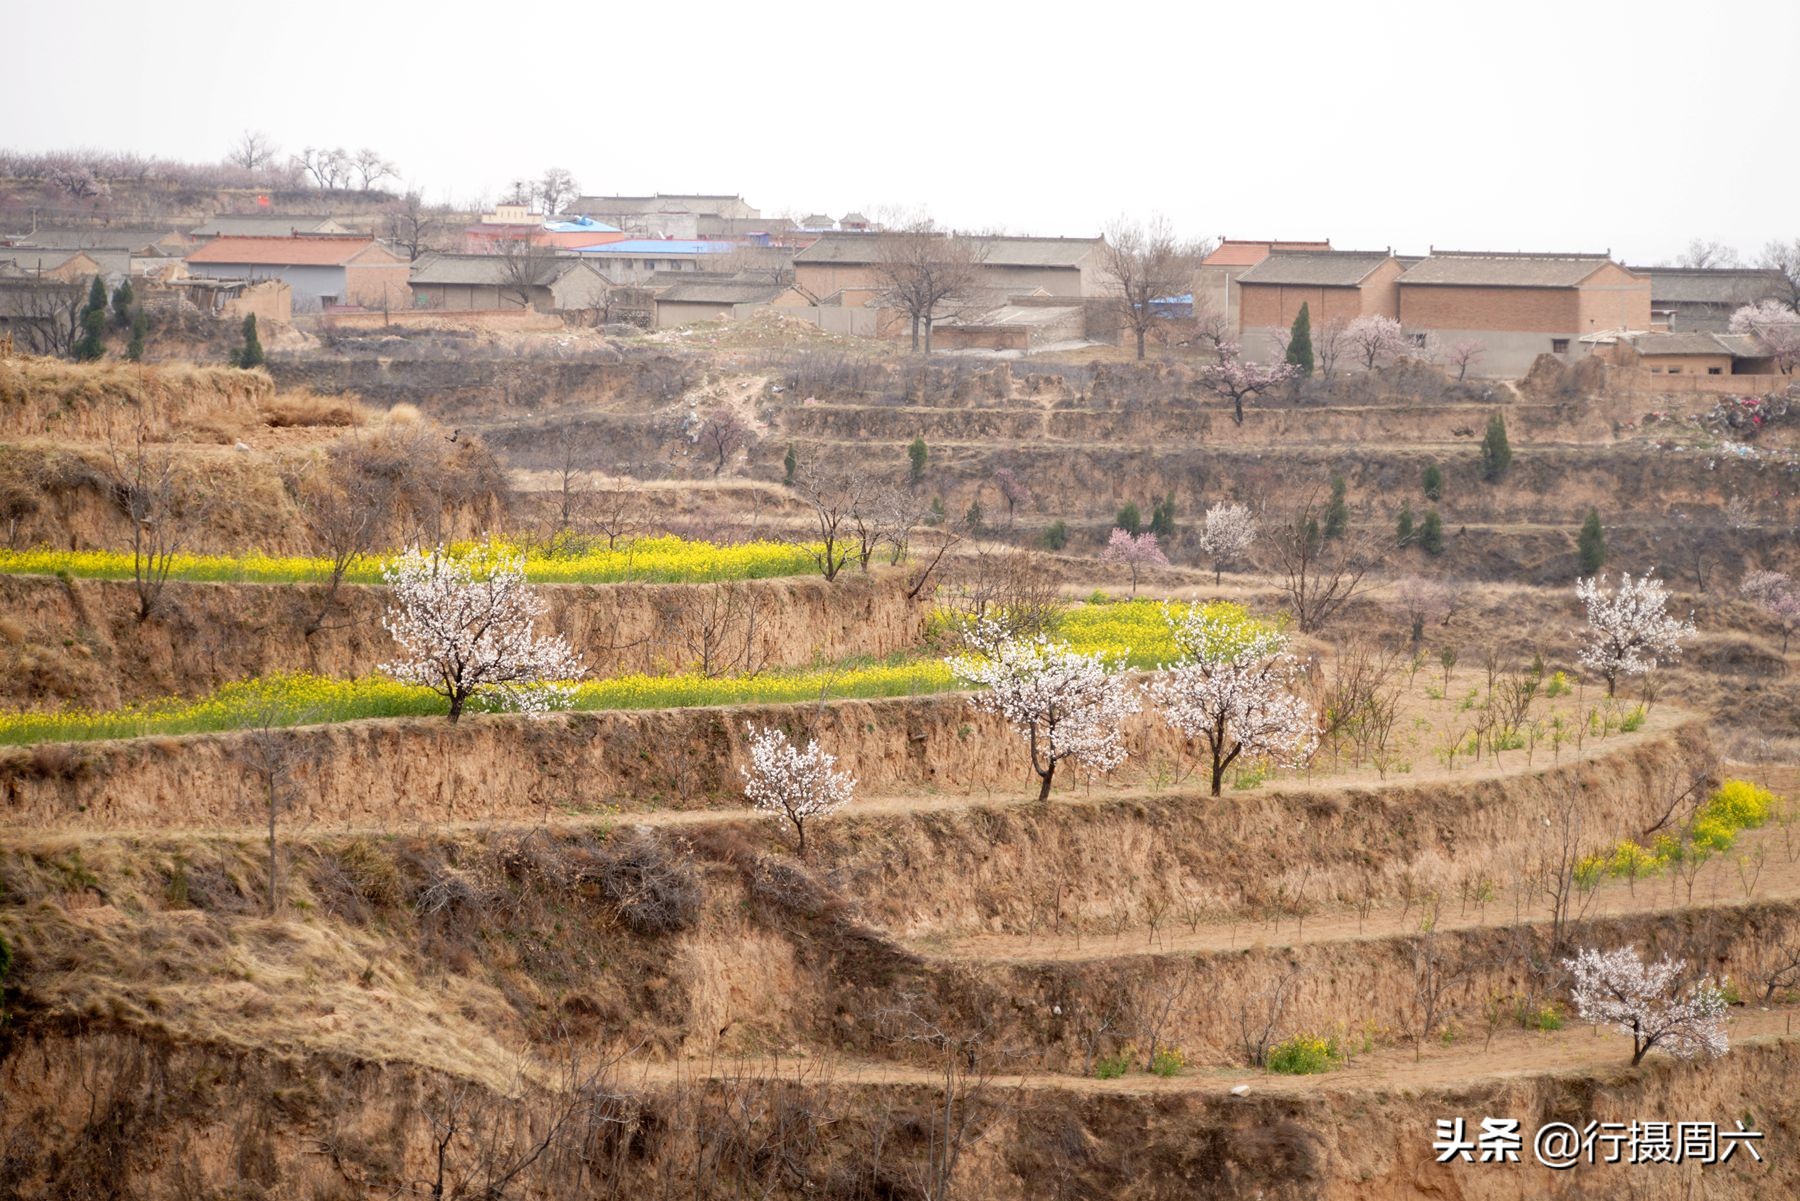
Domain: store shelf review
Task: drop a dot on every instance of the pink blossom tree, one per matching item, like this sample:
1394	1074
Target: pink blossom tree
1775	593
1065	704
1374	339
466	627
1136	553
787	784
1630	630
1237	380
1463	355
1777	325
1618	989
1226	533
1237	700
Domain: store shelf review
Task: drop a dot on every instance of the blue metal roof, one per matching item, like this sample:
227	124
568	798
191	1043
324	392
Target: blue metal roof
580	225
659	246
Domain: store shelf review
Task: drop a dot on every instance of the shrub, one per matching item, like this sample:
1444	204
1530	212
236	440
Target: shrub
1057	535
652	889
790	463
1545	1017
1403	528
1304	1055
974	518
1162	519
1431	533
1111	1067
1168	1062
1434	482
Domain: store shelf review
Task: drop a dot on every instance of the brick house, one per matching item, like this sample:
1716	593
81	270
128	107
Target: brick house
474	282
1519	306
841	268
723	300
1334	285
1215	283
1688	300
321	269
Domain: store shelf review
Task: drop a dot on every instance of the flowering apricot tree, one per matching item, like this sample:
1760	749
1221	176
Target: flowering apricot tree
1136	553
1777	325
466	625
1226	533
1236	380
1236	696
1629	631
1375	338
1066	705
785	783
1775	593
1616	988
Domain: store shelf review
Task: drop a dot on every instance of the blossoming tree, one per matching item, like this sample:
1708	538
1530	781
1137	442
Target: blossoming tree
1136	553
1617	988
1066	705
466	625
1775	593
1374	339
1629	631
1227	531
1235	693
787	784
1777	325
1236	380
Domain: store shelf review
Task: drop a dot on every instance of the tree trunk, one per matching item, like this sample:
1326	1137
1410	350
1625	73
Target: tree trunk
928	336
915	333
1046	775
456	706
1237	413
1140	344
273	861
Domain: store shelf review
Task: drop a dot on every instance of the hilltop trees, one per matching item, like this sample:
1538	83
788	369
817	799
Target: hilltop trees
787	784
1239	701
1144	264
923	271
467	625
1618	989
1629	631
1066	705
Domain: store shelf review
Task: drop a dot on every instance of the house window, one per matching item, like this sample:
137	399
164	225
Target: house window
1418	340
1674	371
1715	371
1559	346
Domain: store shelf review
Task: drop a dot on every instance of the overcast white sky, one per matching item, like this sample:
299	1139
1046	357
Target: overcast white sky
1518	125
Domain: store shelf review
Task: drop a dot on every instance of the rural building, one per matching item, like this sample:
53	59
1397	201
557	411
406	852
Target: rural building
570	233
722	300
1519	306
841	268
1689	353
322	270
267	225
1024	324
41	314
759	231
635	260
1702	299
1215	283
227	299
139	241
1334	285
664	214
64	265
474	282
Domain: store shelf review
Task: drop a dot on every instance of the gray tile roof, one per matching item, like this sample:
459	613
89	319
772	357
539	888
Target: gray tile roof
1653	345
483	270
1316	268
1504	270
100	237
859	248
722	292
265	225
1710	285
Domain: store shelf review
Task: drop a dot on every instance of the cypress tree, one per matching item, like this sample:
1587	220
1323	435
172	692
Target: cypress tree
1431	533
1129	519
140	325
1496	452
791	463
974	518
96	301
920	455
1591	544
1337	513
1162	519
1403	529
121	302
1434	482
1300	348
250	354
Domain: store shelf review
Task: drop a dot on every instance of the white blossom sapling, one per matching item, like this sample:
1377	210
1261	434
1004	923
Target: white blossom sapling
465	626
1066	705
1616	988
1228	531
1374	338
787	784
1235	693
1629	631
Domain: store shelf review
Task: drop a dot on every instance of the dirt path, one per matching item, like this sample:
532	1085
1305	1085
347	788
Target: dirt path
1512	1053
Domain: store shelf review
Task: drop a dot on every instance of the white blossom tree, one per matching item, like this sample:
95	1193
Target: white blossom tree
1775	593
1618	989
466	625
1629	631
1226	533
1236	380
1777	325
1066	705
1136	552
1235	694
787	784
1374	339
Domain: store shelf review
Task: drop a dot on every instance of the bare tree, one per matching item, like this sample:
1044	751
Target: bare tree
346	510
412	224
1707	252
524	268
620	513
142	479
1144	264
1318	575
924	272
329	168
45	312
252	151
1330	339
963	1101
722	435
555	188
370	168
716	627
835	498
273	754
1783	259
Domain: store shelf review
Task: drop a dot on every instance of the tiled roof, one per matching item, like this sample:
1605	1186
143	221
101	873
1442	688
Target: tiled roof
644	246
264	225
1243	252
1504	270
1710	285
102	237
723	292
282	252
1316	268
1653	345
861	248
487	270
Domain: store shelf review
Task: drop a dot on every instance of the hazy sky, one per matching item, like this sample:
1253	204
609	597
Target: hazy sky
1518	125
